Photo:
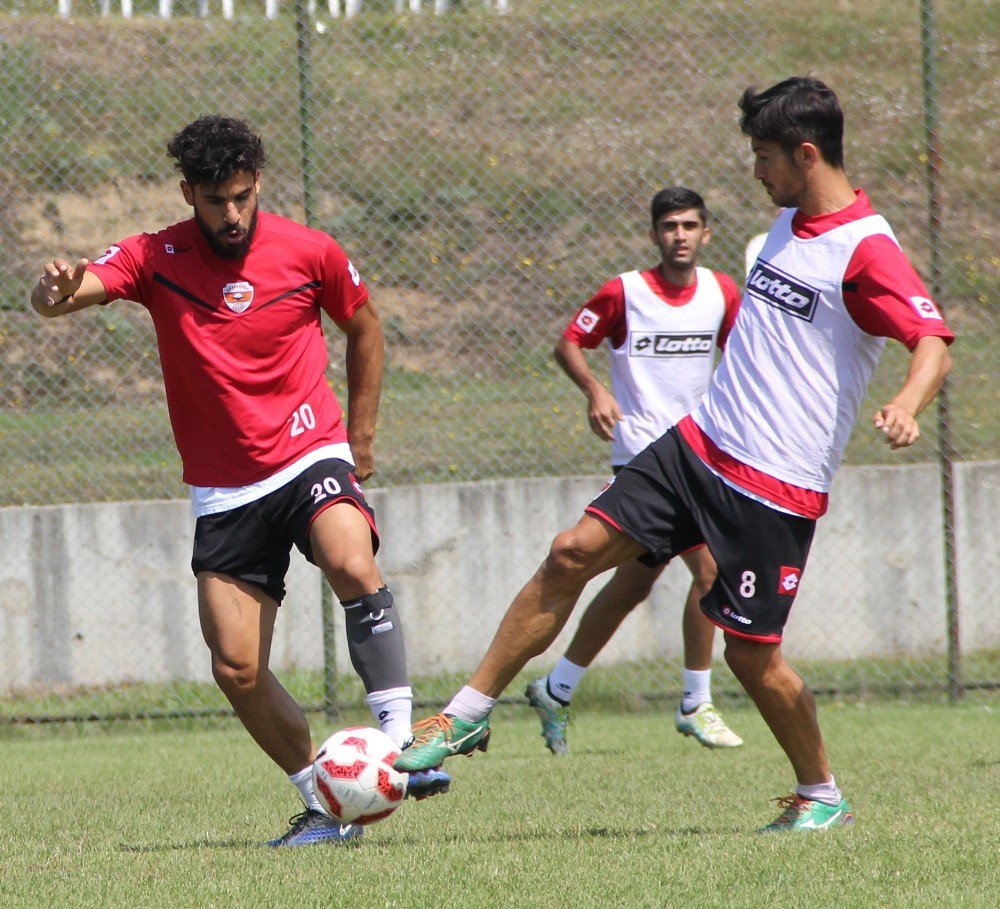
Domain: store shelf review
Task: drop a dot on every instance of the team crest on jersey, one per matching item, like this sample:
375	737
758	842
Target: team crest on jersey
789	580
693	344
772	286
238	296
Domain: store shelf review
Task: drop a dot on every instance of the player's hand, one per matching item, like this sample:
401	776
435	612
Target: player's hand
899	426
603	413
364	460
58	281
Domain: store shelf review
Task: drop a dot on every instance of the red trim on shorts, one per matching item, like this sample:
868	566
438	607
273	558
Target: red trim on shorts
692	548
757	638
808	503
597	513
355	503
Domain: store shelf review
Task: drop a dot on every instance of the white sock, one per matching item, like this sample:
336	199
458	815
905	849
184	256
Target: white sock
470	705
697	689
393	711
821	792
564	678
303	781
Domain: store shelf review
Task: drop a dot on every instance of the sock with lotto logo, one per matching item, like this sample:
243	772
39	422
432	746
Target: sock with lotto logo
563	679
393	711
697	689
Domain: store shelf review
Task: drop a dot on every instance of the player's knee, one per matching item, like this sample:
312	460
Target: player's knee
350	568
567	555
236	679
701	585
631	594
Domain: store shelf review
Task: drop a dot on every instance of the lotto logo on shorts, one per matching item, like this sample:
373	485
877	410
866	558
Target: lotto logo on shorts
788	580
772	286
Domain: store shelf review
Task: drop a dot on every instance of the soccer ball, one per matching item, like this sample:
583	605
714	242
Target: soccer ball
353	776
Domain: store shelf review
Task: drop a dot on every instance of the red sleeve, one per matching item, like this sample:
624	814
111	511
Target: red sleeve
343	291
120	269
732	295
885	296
602	316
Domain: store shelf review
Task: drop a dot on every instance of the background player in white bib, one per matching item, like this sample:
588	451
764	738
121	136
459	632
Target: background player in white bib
236	297
662	327
749	471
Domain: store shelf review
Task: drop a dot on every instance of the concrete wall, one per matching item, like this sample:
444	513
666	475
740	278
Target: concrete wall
102	593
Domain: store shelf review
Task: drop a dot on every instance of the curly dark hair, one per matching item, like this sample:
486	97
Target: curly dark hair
212	149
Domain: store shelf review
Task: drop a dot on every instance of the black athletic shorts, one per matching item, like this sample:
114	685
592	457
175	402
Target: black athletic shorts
254	542
668	500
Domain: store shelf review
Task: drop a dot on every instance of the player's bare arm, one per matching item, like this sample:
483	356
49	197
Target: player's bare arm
929	364
63	288
365	354
603	411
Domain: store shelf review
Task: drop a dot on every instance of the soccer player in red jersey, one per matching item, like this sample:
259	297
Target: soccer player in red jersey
662	327
748	472
236	296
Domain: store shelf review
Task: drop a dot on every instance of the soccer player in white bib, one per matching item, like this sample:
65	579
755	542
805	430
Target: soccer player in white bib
237	298
662	327
748	472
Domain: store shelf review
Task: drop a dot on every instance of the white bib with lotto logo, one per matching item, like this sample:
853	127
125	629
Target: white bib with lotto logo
796	367
661	371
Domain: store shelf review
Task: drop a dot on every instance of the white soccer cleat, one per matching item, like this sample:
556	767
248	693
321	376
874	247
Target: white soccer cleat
705	723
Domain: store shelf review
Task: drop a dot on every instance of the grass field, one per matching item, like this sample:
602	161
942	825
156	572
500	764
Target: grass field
636	816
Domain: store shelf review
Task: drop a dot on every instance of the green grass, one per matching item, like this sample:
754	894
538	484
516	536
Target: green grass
636	816
432	428
637	686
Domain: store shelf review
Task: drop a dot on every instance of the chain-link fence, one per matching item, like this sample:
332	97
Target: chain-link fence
487	168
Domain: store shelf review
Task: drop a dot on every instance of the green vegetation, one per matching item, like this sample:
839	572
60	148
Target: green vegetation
487	173
635	687
635	817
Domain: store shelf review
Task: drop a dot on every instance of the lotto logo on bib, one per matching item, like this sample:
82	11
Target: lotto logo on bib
644	344
772	286
238	296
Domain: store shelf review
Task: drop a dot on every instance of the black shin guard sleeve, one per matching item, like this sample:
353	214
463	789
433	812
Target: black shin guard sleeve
375	641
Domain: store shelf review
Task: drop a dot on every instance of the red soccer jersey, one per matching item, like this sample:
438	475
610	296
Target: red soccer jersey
241	343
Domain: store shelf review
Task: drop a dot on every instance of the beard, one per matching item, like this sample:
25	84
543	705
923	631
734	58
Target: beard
218	244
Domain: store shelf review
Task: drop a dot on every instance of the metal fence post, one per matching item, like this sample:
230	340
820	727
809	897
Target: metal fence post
946	451
303	38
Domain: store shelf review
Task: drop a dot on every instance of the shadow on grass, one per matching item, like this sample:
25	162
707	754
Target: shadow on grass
394	842
213	844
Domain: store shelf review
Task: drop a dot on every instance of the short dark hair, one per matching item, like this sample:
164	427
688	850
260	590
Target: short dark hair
676	198
212	149
797	110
